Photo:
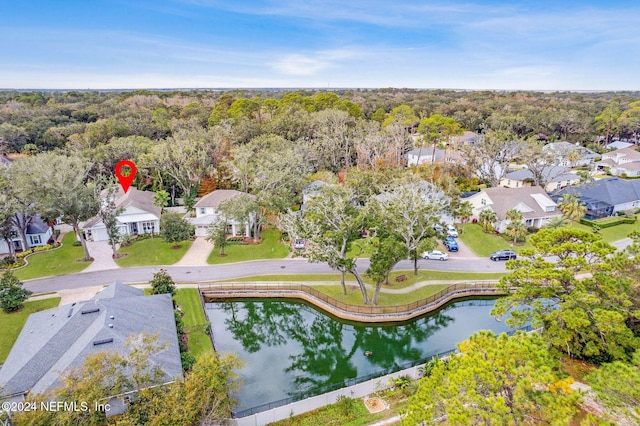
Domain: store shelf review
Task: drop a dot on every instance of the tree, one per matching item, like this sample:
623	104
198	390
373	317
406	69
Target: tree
556	222
389	252
515	228
583	317
162	283
490	156
109	213
333	142
398	125
572	208
497	380
438	129
461	210
57	184
329	225
174	228
487	218
617	384
241	208
161	199
217	233
12	295
607	120
408	212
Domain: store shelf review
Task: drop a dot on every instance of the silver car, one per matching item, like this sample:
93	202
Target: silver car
434	255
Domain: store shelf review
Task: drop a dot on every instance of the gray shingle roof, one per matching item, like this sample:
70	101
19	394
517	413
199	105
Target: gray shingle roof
61	338
549	174
217	197
527	198
142	200
613	191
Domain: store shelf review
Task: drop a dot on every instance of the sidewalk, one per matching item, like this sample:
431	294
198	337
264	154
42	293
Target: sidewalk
197	254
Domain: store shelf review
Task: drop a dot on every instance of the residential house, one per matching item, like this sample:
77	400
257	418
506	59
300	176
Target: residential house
621	162
570	155
37	233
60	339
207	213
536	206
556	177
425	155
312	189
605	197
139	216
619	145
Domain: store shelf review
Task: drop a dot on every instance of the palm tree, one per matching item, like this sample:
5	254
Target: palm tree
486	219
514	215
572	208
556	222
516	229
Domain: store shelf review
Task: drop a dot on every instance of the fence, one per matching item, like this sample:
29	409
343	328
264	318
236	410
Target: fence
348	382
344	310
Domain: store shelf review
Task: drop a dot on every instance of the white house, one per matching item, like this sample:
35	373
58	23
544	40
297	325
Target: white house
207	213
37	233
536	206
555	177
139	216
570	155
622	162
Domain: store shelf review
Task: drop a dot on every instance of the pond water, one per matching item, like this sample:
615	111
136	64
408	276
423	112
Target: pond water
288	347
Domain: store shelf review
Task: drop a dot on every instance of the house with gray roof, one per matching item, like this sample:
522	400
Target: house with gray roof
37	233
621	162
536	206
139	215
554	177
58	340
605	197
207	213
570	155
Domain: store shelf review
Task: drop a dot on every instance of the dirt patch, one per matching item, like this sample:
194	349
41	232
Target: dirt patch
375	405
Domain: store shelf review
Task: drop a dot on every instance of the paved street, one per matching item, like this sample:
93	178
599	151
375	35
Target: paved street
196	274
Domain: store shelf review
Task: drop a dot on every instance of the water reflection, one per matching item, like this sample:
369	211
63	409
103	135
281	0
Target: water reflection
289	347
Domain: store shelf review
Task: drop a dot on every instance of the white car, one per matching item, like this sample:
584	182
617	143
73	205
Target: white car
435	255
452	232
298	243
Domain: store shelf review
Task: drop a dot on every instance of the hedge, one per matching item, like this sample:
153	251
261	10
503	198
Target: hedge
609	222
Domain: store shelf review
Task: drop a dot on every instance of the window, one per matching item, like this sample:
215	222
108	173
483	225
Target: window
203	210
550	208
13	234
148	227
35	239
483	202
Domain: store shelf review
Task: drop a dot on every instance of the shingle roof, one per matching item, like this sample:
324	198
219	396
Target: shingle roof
549	174
526	199
612	190
142	200
57	339
217	197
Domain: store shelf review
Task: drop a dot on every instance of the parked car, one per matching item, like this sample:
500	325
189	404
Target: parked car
437	227
450	244
298	243
434	255
503	255
452	231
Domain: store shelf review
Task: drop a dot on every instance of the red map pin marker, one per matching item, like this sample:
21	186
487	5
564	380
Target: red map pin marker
125	181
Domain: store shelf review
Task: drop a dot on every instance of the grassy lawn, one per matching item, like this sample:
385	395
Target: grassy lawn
11	324
65	260
618	232
269	248
354	296
152	251
350	414
423	275
483	244
195	321
362	248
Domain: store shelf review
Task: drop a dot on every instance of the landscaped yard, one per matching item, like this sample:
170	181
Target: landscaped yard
68	259
151	251
194	320
11	324
354	296
483	244
270	248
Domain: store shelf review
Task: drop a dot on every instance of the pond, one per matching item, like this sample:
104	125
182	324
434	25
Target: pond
289	348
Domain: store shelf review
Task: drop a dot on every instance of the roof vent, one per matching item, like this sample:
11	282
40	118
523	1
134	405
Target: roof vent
112	317
102	341
110	325
90	311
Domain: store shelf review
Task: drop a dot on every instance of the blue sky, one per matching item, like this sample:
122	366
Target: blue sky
530	45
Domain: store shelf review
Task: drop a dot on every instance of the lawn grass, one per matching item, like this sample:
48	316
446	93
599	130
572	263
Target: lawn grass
195	322
68	259
152	251
362	248
270	248
354	296
423	275
11	324
483	244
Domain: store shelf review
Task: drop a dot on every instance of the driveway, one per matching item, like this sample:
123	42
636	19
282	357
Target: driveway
102	257
197	254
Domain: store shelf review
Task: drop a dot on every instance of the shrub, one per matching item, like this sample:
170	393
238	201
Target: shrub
7	261
12	295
